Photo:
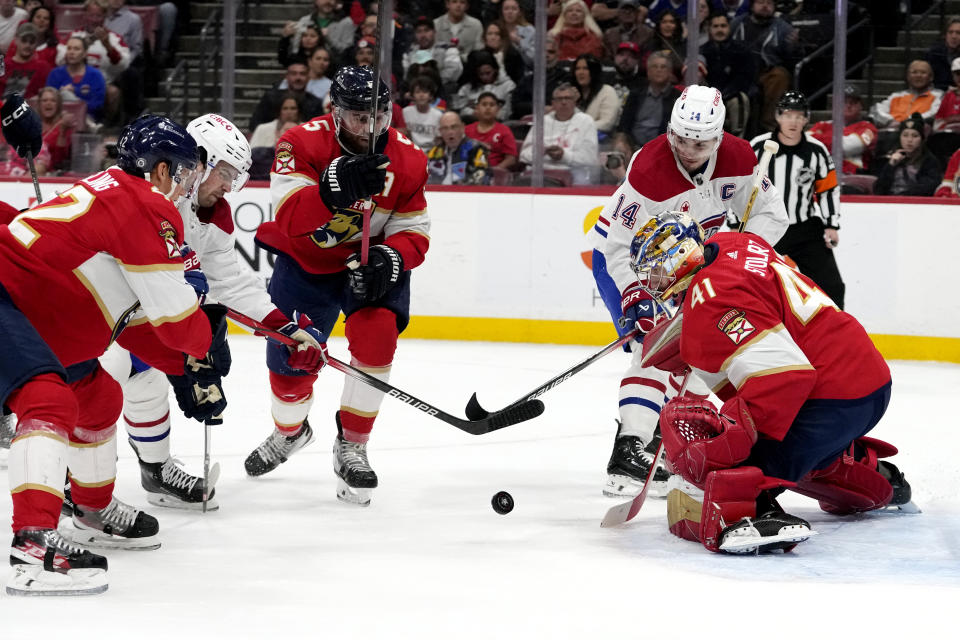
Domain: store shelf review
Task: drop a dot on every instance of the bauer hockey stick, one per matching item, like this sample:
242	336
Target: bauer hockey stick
770	149
625	511
505	418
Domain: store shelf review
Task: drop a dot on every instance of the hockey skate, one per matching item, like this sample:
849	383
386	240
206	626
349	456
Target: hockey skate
276	449
356	480
116	526
168	485
8	424
774	530
902	493
46	564
629	464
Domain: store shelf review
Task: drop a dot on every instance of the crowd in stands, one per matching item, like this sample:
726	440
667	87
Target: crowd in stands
462	75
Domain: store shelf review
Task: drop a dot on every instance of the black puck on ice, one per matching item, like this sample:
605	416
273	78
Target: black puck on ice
502	502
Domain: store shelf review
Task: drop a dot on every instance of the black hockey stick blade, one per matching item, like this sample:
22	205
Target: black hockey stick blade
514	414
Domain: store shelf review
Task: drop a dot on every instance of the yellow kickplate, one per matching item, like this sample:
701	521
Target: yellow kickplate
681	506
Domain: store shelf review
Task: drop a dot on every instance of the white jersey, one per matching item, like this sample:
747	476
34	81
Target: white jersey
232	281
656	182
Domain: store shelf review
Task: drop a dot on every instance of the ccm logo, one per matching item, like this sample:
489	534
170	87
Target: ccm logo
19	111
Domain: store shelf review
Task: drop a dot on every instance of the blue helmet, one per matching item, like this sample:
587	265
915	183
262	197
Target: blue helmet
352	90
151	139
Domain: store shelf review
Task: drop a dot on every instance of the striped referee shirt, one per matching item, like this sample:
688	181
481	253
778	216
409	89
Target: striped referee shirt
806	177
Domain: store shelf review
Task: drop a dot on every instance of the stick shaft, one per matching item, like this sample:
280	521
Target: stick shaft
33	174
757	182
372	136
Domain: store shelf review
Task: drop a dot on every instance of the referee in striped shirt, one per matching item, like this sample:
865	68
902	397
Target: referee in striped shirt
804	173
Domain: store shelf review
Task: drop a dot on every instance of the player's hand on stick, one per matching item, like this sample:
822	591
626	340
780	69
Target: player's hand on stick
193	274
352	178
372	281
216	364
201	403
21	126
639	309
311	353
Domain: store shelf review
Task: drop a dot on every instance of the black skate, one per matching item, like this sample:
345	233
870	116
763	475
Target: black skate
168	485
116	526
902	493
356	479
45	563
774	530
629	464
276	449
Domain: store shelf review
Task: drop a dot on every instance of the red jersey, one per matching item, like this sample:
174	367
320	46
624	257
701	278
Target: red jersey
321	240
499	140
754	327
102	254
859	142
25	78
948	188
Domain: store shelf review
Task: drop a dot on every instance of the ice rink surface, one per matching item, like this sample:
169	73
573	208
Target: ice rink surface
283	558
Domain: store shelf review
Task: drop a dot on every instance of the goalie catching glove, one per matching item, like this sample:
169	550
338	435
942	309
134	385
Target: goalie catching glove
351	178
370	282
311	353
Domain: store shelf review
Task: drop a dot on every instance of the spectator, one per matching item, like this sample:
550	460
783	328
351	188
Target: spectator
557	72
429	69
47	41
10	16
167	13
77	80
577	32
911	170
496	136
605	12
659	7
627	65
336	28
734	8
363	53
522	34
445	56
310	40
126	24
616	161
948	188
288	116
919	97
773	43
495	41
318	74
569	140
949	110
647	110
296	81
859	134
628	28
942	54
458	29
58	127
731	69
482	73
421	116
597	99
26	72
456	159
668	39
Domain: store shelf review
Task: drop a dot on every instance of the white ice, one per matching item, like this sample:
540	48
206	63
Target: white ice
283	558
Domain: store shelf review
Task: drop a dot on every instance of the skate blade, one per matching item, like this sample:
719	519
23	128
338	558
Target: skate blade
172	502
32	580
93	539
909	508
353	495
746	544
619	486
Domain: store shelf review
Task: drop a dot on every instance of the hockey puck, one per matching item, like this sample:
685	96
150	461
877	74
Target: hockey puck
502	502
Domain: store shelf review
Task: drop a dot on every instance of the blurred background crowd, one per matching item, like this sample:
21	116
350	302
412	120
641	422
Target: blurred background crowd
462	77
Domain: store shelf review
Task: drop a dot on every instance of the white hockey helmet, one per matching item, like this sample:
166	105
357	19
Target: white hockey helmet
223	142
698	113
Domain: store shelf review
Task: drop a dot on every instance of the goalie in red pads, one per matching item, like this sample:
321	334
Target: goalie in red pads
802	385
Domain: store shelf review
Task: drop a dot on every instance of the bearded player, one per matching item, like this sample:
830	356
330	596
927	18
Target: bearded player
323	173
697	168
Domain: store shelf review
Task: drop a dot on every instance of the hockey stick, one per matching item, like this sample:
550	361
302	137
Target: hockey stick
372	134
510	416
625	511
33	174
770	149
206	464
476	412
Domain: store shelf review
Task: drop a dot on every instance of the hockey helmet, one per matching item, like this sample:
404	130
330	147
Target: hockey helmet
666	252
352	98
221	141
150	140
698	113
793	101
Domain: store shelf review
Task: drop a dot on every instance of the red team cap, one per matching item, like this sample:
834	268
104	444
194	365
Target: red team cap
633	47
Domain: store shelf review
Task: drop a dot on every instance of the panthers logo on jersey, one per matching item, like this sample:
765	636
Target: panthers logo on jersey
734	325
345	224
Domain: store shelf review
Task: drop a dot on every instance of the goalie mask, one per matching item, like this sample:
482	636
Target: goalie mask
666	252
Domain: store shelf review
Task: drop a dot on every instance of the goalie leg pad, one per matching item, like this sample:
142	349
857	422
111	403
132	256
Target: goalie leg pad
853	482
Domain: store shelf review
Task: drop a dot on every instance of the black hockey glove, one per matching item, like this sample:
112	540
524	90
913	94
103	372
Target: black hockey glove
352	178
202	403
21	126
216	364
372	281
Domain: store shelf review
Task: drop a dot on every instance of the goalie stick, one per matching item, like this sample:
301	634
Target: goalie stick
625	511
511	415
476	412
